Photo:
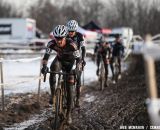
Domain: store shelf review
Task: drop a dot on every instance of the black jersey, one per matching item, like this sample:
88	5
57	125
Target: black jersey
66	53
118	49
105	51
97	47
78	39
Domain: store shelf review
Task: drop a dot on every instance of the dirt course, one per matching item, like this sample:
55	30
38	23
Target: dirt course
119	105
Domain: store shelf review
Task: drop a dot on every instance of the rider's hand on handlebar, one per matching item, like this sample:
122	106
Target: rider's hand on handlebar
44	69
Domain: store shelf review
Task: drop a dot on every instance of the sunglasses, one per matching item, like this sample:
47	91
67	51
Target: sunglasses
59	38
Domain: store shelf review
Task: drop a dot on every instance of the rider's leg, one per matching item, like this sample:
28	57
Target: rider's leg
106	73
98	63
119	62
78	86
112	67
55	66
69	85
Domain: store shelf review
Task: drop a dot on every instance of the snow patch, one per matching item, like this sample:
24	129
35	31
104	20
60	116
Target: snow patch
89	98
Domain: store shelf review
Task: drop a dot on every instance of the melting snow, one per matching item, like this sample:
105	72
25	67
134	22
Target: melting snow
89	98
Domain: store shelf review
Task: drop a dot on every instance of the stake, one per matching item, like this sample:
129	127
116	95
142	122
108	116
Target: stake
2	86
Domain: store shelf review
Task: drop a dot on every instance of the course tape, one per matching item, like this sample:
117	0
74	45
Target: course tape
21	60
21	82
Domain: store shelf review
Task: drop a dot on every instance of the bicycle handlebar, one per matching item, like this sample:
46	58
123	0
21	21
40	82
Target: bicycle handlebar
55	72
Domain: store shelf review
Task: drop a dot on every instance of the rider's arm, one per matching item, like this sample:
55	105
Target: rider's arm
83	52
75	52
47	54
95	48
82	46
110	52
122	49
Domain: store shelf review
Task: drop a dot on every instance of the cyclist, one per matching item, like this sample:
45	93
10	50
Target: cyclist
66	55
77	37
97	54
117	52
104	53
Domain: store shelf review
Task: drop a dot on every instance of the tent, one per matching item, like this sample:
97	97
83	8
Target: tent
91	26
94	27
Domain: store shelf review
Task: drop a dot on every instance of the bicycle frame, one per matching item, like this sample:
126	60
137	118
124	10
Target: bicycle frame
60	96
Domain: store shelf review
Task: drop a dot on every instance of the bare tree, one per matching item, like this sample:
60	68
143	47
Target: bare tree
46	15
140	15
6	10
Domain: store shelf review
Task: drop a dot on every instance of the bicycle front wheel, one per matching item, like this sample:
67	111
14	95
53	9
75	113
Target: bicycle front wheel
102	77
57	108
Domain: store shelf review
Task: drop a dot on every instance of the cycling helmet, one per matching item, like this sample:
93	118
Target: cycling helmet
72	25
60	31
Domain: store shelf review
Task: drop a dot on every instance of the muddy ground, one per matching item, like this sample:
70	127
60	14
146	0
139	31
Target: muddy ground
118	105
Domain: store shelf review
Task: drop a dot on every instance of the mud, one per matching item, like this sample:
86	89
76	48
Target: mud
121	104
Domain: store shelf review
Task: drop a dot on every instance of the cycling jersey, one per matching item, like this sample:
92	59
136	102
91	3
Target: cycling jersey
105	51
78	39
118	49
97	46
67	53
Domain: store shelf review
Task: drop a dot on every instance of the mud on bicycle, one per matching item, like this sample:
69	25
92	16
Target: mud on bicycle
60	99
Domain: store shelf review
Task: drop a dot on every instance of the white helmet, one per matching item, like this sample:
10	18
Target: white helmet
60	31
72	25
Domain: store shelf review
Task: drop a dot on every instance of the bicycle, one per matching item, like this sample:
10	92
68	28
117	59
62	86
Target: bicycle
60	99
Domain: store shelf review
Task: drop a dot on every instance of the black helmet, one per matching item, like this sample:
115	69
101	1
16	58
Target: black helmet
117	35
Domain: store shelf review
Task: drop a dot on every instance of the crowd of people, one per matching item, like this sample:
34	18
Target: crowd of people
70	49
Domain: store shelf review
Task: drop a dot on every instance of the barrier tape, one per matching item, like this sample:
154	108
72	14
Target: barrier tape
21	60
20	82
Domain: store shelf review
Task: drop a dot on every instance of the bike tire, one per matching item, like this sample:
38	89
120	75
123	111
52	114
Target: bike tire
57	108
64	100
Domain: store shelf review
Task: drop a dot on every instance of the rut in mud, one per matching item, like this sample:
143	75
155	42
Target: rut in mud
117	105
